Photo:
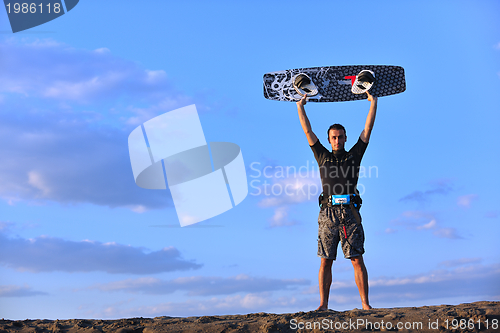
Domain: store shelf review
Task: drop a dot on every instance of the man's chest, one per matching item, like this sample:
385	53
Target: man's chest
344	160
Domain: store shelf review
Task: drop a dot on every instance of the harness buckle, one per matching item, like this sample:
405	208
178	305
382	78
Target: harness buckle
339	200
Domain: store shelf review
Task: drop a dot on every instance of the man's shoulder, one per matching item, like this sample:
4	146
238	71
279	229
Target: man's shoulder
319	146
360	143
320	152
359	147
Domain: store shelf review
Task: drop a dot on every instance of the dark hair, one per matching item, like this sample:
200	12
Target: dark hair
337	127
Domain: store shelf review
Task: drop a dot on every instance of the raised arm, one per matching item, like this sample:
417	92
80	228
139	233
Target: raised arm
304	121
370	119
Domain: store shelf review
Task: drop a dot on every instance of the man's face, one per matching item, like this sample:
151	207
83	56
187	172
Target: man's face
337	139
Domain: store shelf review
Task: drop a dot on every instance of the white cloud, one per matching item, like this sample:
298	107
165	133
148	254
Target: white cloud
468	281
36	180
466	200
18	291
74	164
390	231
439	187
68	113
280	218
289	190
423	220
450	233
56	71
429	225
48	254
102	50
138	208
142	114
281	187
155	76
202	285
460	262
231	304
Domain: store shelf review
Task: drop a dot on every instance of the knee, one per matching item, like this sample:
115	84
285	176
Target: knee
326	263
357	261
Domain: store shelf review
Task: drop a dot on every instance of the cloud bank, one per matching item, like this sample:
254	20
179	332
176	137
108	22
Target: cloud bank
19	291
48	254
466	279
424	221
202	285
65	118
440	187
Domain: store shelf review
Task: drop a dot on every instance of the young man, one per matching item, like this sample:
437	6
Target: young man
339	218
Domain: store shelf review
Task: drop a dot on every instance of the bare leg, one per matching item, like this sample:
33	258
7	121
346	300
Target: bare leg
361	277
325	281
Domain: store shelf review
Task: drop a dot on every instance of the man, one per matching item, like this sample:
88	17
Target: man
339	218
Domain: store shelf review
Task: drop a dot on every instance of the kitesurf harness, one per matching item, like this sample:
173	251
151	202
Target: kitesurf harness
352	200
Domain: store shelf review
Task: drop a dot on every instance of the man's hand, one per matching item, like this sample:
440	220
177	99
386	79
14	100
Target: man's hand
303	101
371	98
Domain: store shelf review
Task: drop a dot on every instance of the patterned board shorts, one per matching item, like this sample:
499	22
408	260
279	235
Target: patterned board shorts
331	223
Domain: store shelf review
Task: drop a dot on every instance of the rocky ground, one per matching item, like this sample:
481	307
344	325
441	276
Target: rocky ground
468	317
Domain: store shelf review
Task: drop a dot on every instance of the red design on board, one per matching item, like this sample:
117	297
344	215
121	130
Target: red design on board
352	78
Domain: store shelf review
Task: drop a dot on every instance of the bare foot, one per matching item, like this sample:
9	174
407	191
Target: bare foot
367	307
322	308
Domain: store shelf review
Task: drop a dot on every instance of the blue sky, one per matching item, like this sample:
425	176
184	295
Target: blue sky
80	240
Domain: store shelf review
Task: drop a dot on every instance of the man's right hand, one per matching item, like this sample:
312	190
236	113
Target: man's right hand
303	101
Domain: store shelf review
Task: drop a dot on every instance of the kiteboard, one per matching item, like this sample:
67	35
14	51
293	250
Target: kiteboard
334	83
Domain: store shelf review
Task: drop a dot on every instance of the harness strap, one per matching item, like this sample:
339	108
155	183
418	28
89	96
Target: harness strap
343	226
355	213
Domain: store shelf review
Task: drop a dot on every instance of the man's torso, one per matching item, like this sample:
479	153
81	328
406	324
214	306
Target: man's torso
339	172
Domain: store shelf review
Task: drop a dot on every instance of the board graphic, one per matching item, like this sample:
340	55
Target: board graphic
334	83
